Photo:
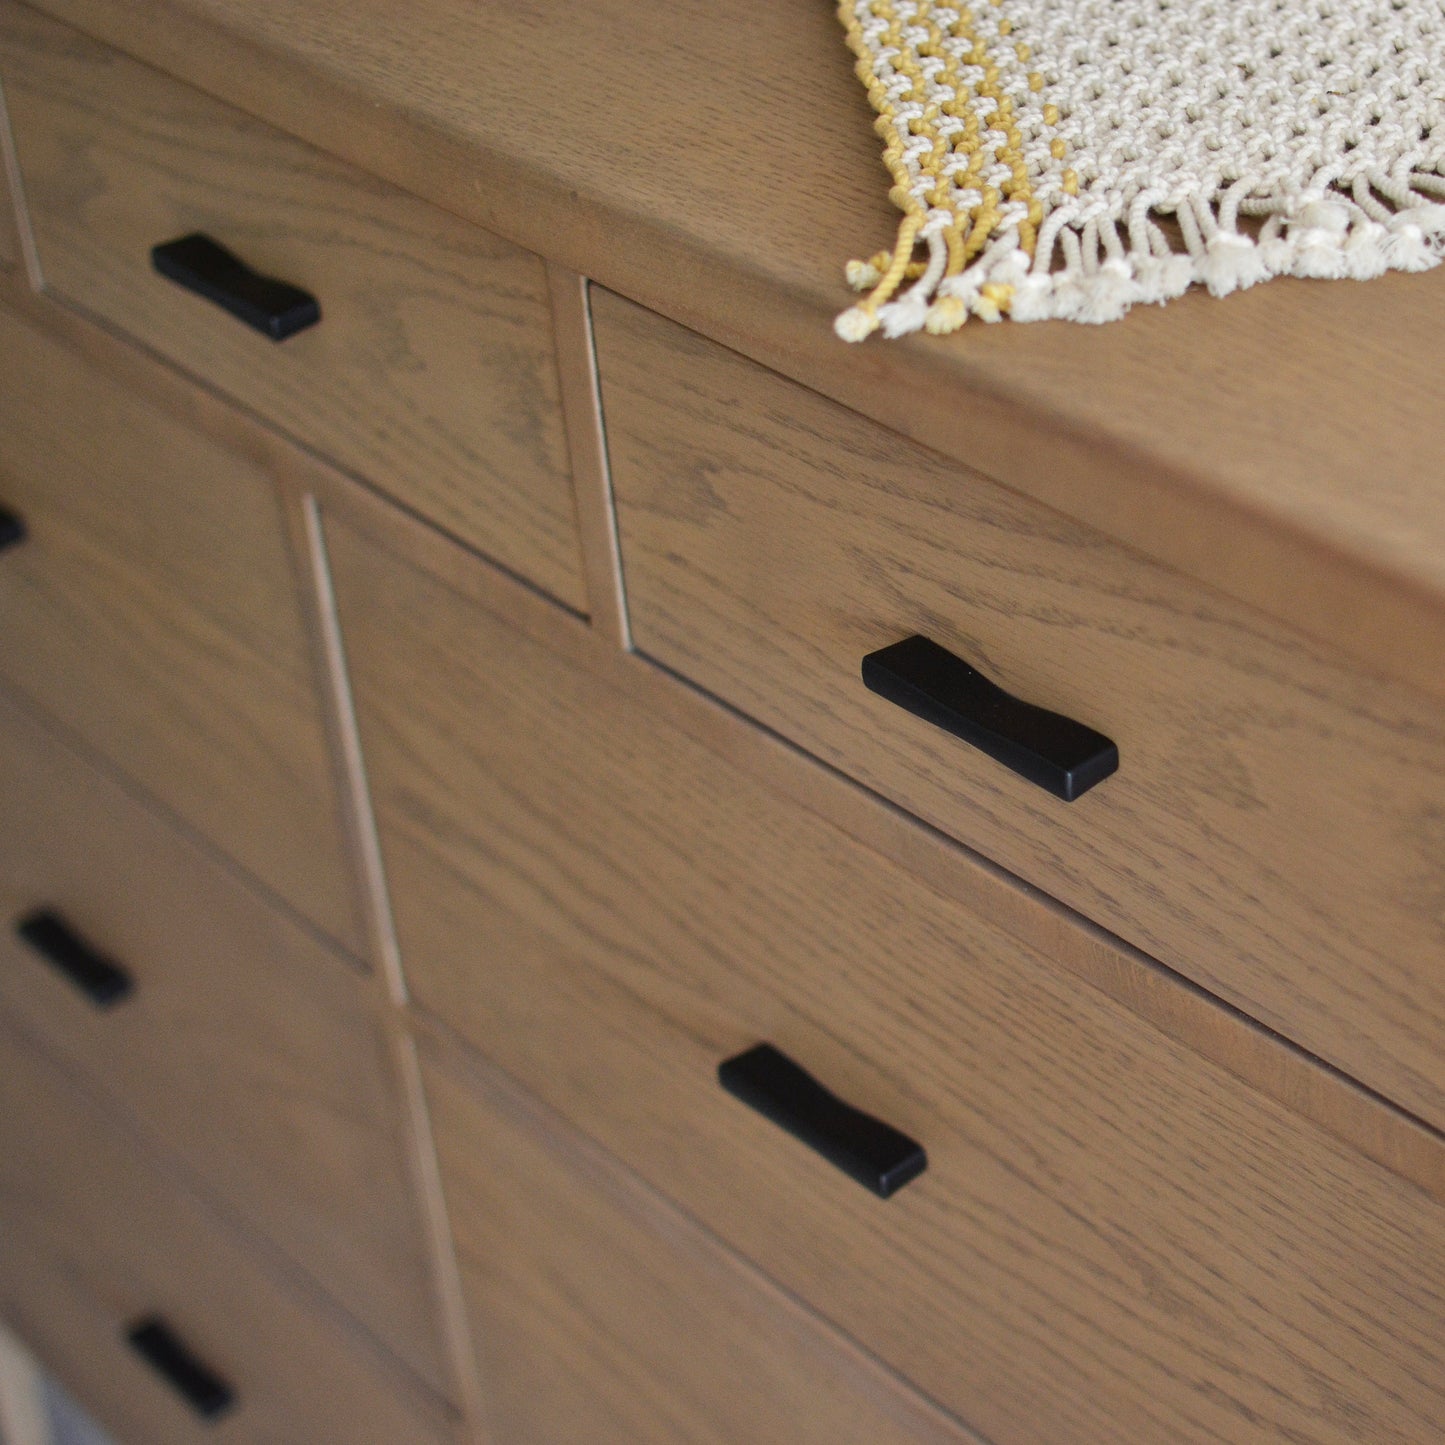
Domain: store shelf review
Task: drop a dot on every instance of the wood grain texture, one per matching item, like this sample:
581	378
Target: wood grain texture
299	474
1114	1240
1188	1014
95	1238
246	1048
389	990
587	445
1135	981
431	373
1274	829
605	1315
152	609
1280	445
1253	1054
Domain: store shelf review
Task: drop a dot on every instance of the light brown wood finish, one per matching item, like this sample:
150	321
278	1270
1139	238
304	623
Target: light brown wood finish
1275	829
1250	1053
299	475
606	1316
1114	1239
1280	445
587	444
1253	1054
152	608
387	981
96	1238
1187	1014
246	1047
431	373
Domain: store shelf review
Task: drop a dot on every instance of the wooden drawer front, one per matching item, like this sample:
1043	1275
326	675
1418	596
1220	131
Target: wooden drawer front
601	1314
153	608
431	372
94	1240
1276	829
243	1044
1114	1240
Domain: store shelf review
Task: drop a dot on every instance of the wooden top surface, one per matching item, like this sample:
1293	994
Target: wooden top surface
716	162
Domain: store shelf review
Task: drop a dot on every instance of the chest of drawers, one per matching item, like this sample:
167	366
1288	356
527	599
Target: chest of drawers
437	752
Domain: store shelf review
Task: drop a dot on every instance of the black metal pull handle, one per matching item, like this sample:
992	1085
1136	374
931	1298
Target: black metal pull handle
103	981
167	1354
864	1148
12	528
1057	753
275	308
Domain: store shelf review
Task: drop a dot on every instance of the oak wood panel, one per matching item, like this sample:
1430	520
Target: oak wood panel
432	371
1363	1118
388	986
95	1238
246	1047
1274	830
1255	1055
1280	444
153	609
604	1315
1114	1240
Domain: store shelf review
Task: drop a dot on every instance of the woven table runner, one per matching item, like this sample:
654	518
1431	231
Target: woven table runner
1071	158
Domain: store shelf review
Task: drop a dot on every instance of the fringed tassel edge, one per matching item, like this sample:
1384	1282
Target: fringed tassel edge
1093	268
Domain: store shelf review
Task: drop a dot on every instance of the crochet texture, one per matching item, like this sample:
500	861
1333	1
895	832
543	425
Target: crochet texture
1070	158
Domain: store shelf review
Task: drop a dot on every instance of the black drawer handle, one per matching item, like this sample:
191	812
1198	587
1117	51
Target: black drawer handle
1057	753
166	1353
103	981
12	528
864	1148
275	308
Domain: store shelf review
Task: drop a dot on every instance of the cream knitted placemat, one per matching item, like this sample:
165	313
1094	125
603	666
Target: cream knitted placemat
1070	158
